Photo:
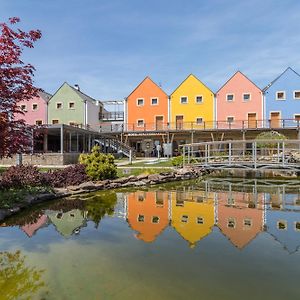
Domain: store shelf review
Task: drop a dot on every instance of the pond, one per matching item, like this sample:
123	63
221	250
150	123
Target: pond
215	239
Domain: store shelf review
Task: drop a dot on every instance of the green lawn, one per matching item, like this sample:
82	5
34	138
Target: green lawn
154	163
125	172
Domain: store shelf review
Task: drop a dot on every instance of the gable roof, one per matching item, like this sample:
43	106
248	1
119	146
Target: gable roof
84	97
272	82
237	72
146	78
191	75
45	96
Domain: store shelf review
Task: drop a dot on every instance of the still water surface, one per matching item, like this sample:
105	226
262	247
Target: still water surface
218	239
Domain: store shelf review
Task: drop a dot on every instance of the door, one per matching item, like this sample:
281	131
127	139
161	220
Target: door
159	121
275	120
252	120
179	122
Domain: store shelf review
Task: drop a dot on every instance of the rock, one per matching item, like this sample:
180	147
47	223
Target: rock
60	191
154	177
142	177
73	188
121	180
45	197
114	185
139	183
128	184
132	178
87	186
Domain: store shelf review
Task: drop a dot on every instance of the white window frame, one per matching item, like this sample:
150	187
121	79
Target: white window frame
37	107
137	123
186	219
245	220
73	104
140	216
187	99
199	217
202	120
25	107
157	101
231	219
197	101
137	101
282	221
37	121
233	119
233	97
55	120
295	118
250	97
57	104
296	229
294	93
284	96
157	220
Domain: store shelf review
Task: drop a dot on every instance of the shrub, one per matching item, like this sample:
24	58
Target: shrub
99	166
177	161
72	175
22	176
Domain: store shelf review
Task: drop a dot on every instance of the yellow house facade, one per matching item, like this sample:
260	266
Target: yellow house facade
193	215
192	105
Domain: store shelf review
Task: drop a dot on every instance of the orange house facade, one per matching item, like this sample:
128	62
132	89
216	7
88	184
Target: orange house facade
146	107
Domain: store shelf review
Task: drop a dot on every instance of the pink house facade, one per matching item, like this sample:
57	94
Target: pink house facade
35	110
239	103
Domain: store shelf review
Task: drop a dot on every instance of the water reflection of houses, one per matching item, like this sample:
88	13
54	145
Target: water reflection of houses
283	218
192	214
240	216
31	228
68	223
148	213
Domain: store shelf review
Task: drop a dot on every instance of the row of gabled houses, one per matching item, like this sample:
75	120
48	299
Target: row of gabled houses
239	216
238	103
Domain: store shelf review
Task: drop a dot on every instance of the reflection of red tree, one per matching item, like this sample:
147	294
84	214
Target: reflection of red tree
239	217
148	214
18	281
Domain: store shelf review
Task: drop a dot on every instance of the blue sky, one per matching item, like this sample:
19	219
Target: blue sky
108	47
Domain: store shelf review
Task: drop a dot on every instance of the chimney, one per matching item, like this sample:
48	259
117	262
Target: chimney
77	87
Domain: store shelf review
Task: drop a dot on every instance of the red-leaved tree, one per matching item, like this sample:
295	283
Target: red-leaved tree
16	84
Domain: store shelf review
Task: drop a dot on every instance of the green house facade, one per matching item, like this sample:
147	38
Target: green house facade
72	107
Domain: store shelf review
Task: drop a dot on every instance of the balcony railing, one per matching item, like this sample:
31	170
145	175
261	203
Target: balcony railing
206	125
111	116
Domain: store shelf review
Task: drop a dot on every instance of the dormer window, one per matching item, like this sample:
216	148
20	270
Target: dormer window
34	106
140	102
280	95
154	101
230	97
59	105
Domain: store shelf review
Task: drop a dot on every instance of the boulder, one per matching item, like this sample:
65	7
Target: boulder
142	177
87	186
139	183
154	177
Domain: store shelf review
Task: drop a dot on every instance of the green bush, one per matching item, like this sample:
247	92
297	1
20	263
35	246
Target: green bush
99	166
177	161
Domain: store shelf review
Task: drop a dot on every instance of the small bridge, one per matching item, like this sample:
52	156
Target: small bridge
244	154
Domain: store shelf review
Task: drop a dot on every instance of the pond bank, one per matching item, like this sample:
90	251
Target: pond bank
90	186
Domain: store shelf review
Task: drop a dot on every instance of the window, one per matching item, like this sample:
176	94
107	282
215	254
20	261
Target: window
231	223
140	123
59	215
34	106
184	219
140	102
155	219
297	117
141	198
247	222
229	97
38	122
59	105
280	95
54	121
72	123
282	225
230	201
183	100
154	101
200	220
297	226
141	218
230	119
199	99
71	105
23	107
246	97
297	95
199	121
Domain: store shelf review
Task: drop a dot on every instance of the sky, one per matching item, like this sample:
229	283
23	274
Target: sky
109	47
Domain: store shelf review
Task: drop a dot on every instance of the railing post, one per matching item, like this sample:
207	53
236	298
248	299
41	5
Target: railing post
278	150
206	151
130	156
229	154
189	154
254	154
243	124
283	123
183	156
283	150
